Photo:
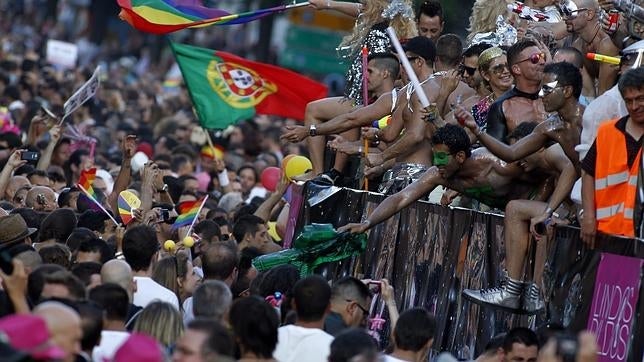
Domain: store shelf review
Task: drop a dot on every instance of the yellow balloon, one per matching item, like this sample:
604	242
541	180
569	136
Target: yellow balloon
169	245
297	166
285	161
272	231
188	241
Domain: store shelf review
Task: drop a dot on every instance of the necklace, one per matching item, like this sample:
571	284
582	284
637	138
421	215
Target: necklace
594	36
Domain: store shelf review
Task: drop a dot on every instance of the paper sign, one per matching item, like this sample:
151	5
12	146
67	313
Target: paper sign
62	54
614	308
83	94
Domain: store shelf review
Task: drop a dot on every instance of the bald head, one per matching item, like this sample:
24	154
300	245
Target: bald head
118	272
15	183
41	198
64	325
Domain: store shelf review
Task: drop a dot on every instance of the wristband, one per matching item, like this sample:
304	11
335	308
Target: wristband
223	178
548	211
478	132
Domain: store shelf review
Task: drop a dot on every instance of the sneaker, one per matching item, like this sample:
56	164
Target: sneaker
498	297
330	178
532	301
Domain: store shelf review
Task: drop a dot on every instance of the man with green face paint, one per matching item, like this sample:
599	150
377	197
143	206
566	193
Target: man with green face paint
478	174
560	93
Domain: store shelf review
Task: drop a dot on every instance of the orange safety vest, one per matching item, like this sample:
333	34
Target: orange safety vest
615	183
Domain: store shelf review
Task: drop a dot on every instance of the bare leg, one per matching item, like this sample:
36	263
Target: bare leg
517	233
342	158
317	112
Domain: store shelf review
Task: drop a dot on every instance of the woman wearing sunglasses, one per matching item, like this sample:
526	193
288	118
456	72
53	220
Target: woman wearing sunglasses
493	67
526	61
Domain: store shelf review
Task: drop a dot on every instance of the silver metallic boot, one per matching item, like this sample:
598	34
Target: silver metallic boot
506	297
532	301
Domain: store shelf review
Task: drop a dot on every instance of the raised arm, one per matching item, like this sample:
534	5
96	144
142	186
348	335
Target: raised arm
347	8
13	163
398	201
45	159
524	147
128	148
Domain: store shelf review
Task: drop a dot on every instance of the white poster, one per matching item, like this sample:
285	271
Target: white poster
61	53
83	94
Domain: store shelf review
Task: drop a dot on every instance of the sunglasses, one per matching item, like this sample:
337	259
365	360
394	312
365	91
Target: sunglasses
462	69
571	13
549	88
500	69
534	58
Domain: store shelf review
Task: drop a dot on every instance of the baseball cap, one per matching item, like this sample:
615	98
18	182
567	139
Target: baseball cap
421	46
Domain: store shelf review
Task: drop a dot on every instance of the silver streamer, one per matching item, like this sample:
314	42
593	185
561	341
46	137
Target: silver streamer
398	7
505	34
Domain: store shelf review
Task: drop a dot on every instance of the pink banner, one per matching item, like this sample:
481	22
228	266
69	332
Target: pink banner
612	313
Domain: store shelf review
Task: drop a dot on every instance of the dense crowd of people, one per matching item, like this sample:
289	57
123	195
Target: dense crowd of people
520	121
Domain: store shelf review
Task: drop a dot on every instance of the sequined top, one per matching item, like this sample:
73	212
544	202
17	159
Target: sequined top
377	41
480	110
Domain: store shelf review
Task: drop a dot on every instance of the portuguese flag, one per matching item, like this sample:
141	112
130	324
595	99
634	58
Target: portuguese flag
226	89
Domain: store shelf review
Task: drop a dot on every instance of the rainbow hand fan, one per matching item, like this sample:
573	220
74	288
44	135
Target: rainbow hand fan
127	202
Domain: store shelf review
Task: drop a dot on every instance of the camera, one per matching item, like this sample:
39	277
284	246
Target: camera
567	347
29	156
165	214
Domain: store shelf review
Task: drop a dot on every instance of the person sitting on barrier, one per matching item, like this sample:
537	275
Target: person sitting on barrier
410	149
477	174
611	190
373	17
523	217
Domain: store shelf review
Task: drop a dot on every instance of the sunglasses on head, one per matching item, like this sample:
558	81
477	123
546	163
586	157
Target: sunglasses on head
462	69
549	88
570	10
534	58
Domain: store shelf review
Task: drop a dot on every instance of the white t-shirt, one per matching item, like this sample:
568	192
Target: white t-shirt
388	358
147	291
111	341
296	344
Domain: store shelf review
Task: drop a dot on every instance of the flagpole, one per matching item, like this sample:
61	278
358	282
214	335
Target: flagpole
97	204
365	102
267	11
196	217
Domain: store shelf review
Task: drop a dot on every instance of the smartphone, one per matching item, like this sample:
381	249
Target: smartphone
29	156
5	262
567	347
165	214
375	287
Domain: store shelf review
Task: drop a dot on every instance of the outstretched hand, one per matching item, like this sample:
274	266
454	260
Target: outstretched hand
465	118
354	228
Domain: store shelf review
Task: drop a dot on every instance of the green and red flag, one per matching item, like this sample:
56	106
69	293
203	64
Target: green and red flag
226	88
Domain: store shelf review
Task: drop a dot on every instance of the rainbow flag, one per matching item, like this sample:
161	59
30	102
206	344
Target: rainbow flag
86	180
166	16
188	211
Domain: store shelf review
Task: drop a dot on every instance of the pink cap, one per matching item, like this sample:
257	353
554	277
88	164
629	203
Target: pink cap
29	333
139	348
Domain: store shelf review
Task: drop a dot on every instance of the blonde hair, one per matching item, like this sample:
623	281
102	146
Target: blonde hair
168	270
484	14
161	321
371	14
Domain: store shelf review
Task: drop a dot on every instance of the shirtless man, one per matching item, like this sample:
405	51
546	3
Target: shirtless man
478	174
411	147
561	90
521	103
582	20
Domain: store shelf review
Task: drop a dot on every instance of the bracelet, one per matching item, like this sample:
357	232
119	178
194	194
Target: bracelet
360	149
119	255
548	211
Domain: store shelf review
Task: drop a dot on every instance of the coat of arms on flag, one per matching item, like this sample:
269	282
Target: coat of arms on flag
239	86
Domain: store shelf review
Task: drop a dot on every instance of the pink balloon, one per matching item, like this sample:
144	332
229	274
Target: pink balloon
270	177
